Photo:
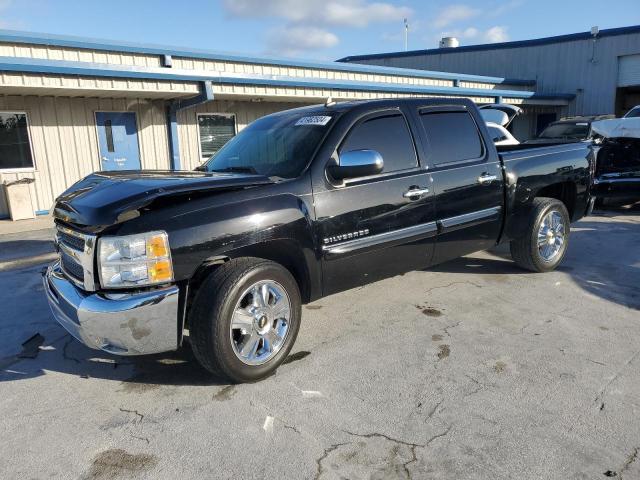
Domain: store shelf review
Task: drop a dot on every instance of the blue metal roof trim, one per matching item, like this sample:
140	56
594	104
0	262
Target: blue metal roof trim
610	32
98	44
63	67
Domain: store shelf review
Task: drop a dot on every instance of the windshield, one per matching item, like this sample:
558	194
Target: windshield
633	113
566	130
279	145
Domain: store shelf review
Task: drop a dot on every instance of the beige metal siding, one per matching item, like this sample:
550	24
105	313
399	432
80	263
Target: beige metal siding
204	66
51	52
65	144
70	85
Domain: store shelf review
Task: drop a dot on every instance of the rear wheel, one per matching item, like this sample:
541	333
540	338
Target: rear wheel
544	245
245	319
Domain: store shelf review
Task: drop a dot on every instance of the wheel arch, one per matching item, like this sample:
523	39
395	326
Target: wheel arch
566	192
286	252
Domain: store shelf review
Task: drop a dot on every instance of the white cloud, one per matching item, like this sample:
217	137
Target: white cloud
352	13
454	14
290	41
472	34
496	34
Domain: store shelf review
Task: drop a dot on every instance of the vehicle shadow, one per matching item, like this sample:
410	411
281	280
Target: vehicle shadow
63	354
603	258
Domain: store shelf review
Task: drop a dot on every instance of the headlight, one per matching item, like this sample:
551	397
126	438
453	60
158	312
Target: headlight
134	260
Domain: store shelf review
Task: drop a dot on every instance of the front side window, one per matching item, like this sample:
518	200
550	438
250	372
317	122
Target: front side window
15	148
453	136
389	136
279	145
215	130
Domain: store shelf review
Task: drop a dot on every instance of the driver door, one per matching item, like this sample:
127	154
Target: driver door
377	226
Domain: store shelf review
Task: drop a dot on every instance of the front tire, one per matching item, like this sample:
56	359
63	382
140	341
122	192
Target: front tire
545	243
245	319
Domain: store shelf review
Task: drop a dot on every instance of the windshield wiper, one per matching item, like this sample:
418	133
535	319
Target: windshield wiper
236	170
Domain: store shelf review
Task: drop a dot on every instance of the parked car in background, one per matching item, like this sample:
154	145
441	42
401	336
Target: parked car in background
571	129
633	113
299	205
617	176
498	116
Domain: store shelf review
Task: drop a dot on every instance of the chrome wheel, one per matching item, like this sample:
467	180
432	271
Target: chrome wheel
260	322
551	236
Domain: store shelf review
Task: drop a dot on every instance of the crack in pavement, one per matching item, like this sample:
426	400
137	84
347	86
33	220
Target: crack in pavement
630	459
135	412
412	446
327	452
439	435
433	411
145	439
429	290
454	325
600	397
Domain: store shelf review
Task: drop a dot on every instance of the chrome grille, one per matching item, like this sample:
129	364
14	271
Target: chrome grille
77	256
71	267
74	242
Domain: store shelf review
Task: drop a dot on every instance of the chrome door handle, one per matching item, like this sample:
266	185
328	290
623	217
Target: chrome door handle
104	159
415	193
484	178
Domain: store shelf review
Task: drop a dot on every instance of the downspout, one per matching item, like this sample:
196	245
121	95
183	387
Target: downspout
206	95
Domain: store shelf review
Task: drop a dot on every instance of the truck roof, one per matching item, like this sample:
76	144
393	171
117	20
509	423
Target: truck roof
379	103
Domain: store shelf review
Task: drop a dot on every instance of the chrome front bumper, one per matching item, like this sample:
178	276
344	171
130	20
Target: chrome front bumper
118	323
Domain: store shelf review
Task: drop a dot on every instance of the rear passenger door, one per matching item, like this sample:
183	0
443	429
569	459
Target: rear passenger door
377	226
467	180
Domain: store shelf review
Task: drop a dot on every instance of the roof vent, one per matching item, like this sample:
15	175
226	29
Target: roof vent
449	42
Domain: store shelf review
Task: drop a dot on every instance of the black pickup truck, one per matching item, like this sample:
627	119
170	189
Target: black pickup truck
299	205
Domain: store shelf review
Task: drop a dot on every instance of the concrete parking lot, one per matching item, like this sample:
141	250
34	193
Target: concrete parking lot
471	370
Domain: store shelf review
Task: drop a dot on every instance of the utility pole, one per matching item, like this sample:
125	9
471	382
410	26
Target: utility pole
406	35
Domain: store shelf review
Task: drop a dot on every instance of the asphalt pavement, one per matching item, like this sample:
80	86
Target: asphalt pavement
471	370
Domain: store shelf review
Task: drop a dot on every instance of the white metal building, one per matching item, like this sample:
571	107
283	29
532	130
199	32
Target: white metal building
600	68
71	106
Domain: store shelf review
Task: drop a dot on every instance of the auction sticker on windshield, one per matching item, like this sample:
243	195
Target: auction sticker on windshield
314	120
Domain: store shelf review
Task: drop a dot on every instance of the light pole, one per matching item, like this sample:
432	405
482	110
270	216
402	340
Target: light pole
406	35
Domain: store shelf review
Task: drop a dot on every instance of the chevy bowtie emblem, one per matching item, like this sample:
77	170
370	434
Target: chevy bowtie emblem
346	236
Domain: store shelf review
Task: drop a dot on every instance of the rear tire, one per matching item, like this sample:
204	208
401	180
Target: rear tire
245	319
545	243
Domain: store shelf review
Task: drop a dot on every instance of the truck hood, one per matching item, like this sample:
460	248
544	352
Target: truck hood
108	198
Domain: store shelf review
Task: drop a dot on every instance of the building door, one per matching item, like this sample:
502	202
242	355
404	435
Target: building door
118	139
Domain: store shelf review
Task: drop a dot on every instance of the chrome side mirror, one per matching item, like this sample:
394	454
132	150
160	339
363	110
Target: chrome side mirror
357	163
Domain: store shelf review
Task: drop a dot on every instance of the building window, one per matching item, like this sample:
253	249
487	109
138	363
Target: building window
15	148
215	129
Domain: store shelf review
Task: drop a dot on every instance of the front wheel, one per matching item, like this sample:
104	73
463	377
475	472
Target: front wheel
245	319
545	243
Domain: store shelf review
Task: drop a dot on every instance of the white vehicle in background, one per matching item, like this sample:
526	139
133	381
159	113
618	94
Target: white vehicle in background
497	117
633	113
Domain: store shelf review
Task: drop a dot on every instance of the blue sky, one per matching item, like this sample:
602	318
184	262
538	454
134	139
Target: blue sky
313	29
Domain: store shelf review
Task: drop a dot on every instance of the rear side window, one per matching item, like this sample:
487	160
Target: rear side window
387	135
453	136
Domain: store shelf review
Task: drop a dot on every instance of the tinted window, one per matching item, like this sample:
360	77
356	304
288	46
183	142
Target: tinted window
279	145
15	150
453	136
576	131
389	136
